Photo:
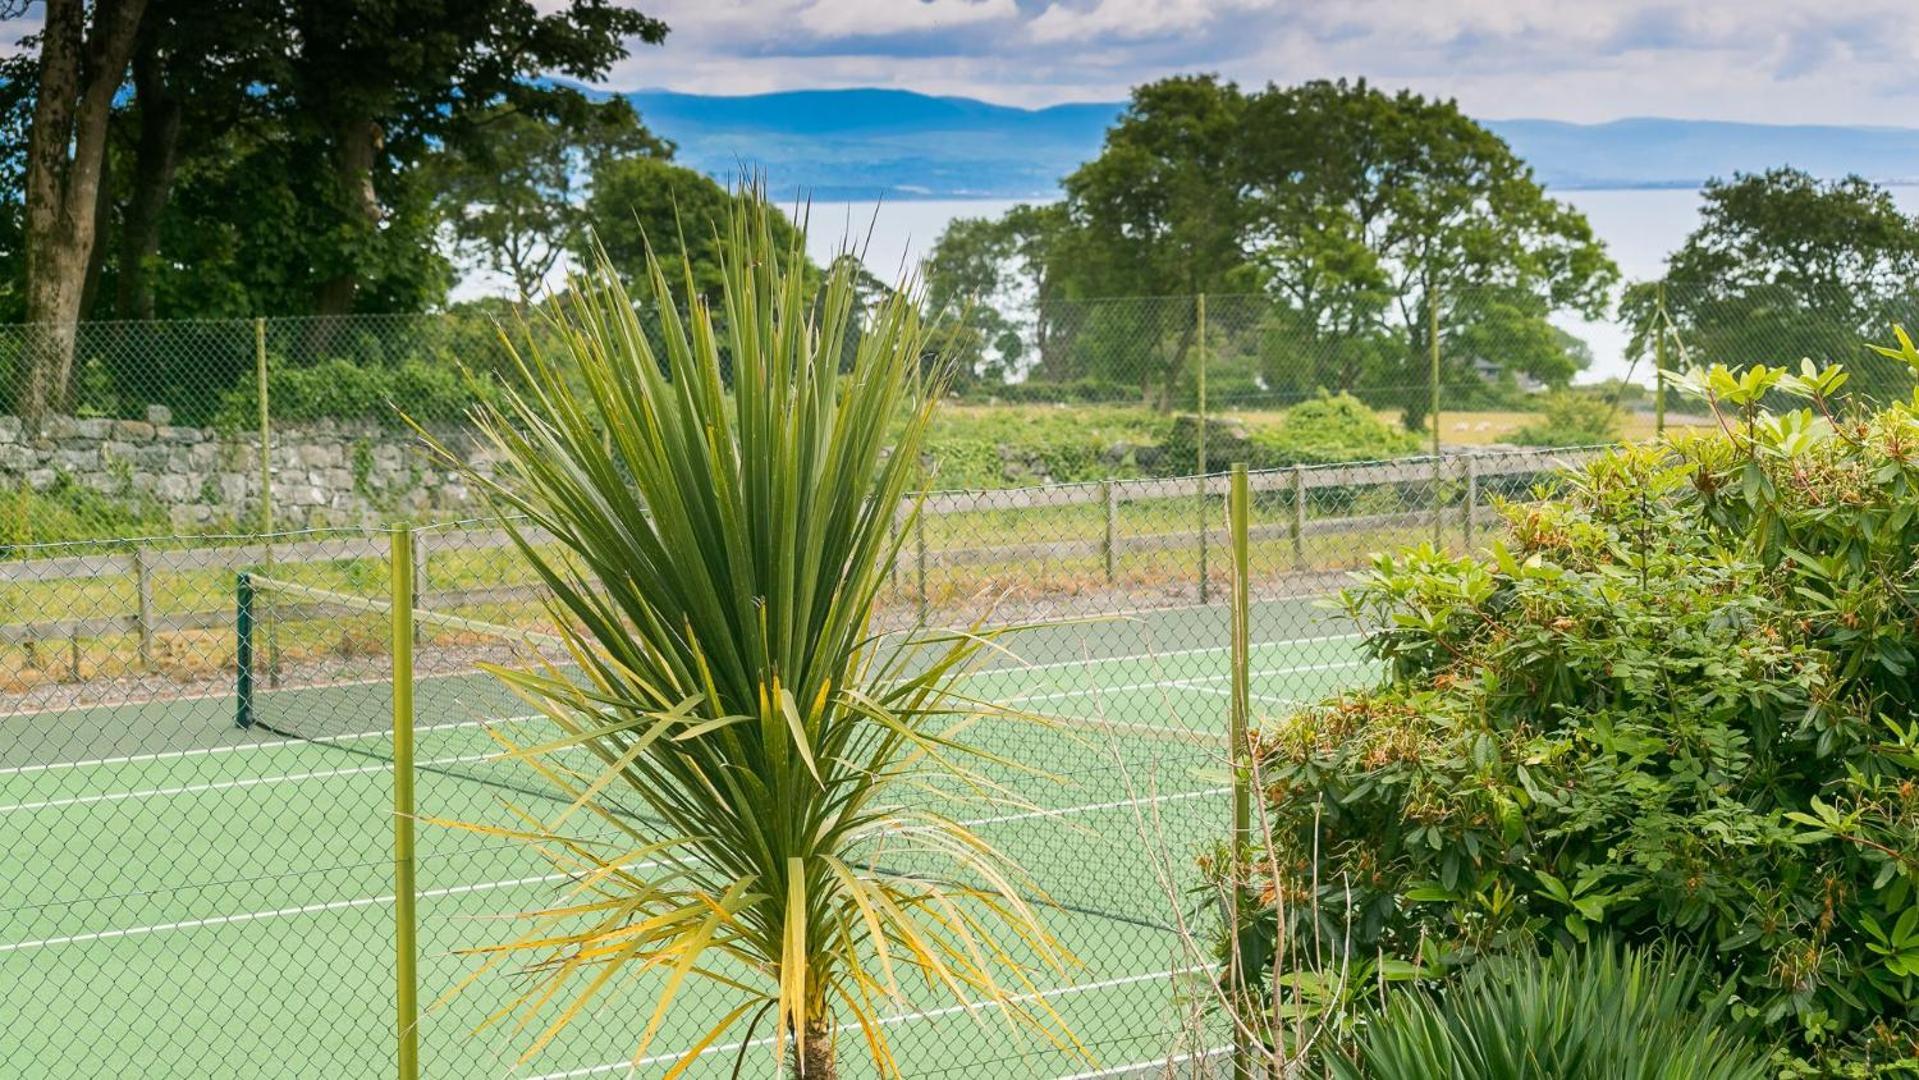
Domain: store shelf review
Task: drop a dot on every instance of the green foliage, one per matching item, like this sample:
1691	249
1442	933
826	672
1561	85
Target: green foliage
641	204
715	528
1784	266
1571	419
1678	702
421	390
1355	212
1008	446
1011	445
1332	428
1594	1013
514	195
66	511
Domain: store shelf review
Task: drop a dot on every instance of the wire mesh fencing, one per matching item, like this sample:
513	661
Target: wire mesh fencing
261	425
198	780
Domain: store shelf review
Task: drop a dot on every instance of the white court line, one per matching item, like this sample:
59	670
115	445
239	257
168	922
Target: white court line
1063	811
1085	661
1153	1063
169	755
885	1021
1174	683
228	785
975	674
277	913
1183	684
365	901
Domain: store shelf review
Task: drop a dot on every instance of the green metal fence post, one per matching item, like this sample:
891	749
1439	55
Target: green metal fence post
405	937
1659	364
243	651
1199	314
919	560
266	488
1432	334
1240	750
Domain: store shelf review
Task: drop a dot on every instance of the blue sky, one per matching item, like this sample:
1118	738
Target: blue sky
1797	61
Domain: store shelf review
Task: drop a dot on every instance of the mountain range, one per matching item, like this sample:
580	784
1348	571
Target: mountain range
867	143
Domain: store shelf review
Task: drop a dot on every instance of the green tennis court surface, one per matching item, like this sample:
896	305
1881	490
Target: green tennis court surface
183	898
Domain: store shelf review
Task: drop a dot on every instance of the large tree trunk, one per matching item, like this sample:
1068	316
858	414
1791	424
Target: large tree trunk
66	148
155	158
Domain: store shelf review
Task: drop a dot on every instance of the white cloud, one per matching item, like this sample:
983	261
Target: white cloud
868	18
1768	60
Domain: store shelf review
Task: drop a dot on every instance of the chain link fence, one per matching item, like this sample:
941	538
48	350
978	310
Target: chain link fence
198	782
157	428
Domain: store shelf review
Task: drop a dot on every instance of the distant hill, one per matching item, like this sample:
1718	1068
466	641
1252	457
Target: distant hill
863	144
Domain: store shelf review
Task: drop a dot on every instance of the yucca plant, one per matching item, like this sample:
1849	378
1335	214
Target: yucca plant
1596	1013
712	503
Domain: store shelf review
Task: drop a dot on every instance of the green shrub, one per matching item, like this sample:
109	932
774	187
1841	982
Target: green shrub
342	390
1332	428
1597	1013
1001	445
1680	701
1570	418
66	510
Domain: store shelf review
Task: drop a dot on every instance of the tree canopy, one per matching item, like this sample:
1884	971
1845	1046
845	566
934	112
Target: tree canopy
292	157
1351	211
1783	266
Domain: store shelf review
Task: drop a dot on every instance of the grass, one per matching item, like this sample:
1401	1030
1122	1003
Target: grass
1157	552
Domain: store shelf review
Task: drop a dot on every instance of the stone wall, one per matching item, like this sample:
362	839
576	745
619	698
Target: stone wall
329	473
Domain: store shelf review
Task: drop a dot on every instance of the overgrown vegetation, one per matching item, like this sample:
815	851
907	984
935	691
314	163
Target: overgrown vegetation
1571	419
1003	445
340	389
1677	703
66	510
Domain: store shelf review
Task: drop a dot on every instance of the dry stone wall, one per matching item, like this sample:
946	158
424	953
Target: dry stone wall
328	473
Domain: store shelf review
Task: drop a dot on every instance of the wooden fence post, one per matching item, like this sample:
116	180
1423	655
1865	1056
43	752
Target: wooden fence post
1299	517
143	612
1106	541
1469	516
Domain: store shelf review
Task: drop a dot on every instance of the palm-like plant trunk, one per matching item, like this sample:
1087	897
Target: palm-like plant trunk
813	1058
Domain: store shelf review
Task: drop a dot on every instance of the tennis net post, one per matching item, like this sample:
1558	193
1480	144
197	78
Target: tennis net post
243	651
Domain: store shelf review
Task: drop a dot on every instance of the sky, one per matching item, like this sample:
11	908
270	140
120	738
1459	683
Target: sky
1779	61
1768	61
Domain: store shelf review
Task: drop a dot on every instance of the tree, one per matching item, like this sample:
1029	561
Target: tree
83	59
1365	210
979	271
1784	266
271	156
1355	211
379	83
512	196
1157	214
641	203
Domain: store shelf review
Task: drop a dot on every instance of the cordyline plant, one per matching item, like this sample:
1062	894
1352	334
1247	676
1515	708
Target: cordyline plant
721	492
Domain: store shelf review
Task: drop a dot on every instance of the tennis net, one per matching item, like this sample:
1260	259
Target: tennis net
1115	744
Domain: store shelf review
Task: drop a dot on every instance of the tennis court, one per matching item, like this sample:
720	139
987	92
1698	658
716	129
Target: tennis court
184	897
